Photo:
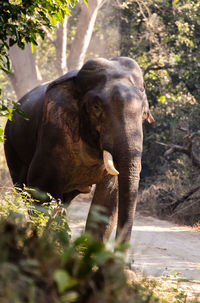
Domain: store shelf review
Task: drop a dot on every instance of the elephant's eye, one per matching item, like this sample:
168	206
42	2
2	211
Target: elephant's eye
94	107
97	109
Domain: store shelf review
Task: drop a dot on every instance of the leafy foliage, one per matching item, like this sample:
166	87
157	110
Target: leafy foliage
7	107
40	263
22	21
164	37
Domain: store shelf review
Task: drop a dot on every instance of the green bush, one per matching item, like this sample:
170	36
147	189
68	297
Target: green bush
40	263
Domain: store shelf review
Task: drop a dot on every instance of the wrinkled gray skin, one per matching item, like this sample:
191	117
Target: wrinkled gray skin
71	121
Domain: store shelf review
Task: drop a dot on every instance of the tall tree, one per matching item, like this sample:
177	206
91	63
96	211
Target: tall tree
61	47
23	74
83	34
29	77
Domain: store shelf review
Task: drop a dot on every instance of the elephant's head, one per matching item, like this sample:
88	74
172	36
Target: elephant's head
113	106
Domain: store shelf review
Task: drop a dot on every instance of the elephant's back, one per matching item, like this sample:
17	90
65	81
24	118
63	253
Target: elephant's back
22	133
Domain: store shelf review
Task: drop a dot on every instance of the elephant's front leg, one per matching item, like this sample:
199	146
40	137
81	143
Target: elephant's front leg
105	197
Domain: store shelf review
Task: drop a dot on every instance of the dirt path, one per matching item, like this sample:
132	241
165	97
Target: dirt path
158	248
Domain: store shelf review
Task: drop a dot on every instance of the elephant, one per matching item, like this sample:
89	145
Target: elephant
84	128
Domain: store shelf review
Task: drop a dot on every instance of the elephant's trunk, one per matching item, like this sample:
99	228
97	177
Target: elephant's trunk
128	163
129	167
128	180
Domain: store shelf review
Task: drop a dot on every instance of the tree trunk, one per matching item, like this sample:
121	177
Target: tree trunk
24	73
83	34
61	47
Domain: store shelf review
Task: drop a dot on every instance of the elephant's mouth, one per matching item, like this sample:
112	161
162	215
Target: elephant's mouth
109	164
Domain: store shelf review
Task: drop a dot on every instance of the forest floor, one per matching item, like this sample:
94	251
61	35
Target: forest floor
160	249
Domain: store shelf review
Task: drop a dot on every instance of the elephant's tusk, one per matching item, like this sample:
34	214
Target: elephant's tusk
108	162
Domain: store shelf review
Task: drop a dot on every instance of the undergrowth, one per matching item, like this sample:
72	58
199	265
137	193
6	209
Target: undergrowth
39	262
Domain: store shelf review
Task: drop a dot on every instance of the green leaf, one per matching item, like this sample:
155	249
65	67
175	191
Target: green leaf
162	99
1	135
19	110
32	46
63	280
102	257
54	19
86	2
174	2
6	112
70	296
83	240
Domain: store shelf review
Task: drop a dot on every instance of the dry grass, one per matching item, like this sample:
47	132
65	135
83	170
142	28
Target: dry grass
5	180
196	226
157	200
168	289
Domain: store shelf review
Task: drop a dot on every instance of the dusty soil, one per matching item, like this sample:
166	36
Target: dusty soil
158	248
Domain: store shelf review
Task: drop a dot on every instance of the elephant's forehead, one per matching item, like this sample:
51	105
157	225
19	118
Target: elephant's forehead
111	69
121	88
124	92
102	73
126	86
129	78
121	72
118	63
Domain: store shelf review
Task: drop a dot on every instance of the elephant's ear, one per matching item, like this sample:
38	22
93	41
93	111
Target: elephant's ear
93	73
67	78
148	116
61	102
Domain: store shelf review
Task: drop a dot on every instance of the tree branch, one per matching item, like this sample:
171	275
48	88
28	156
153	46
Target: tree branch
48	34
174	148
187	150
83	35
153	67
176	203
